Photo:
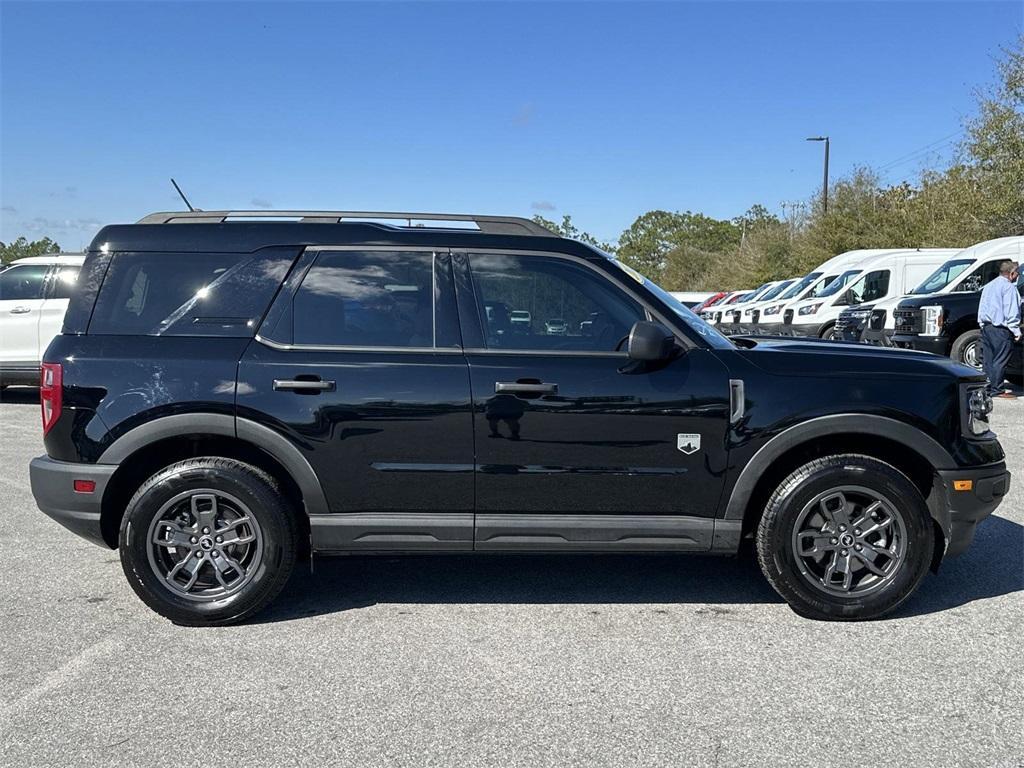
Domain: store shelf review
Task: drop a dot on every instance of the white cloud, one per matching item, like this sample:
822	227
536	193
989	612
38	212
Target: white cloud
543	205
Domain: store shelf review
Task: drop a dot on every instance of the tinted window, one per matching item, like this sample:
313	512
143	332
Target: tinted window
19	283
981	276
62	283
568	306
188	294
374	299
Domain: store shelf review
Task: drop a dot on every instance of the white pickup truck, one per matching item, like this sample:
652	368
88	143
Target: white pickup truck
34	295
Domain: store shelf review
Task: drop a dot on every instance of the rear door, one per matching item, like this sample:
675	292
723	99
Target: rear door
21	302
576	447
359	364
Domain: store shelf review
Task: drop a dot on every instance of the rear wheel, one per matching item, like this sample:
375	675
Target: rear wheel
967	349
208	541
845	537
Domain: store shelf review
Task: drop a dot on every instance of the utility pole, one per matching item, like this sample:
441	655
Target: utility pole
824	186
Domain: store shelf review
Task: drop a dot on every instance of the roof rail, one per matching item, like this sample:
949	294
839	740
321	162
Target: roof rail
492	225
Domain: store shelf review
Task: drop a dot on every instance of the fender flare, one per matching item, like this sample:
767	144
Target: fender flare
267	440
849	423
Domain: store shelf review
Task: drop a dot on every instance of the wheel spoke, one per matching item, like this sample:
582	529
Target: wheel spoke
820	541
870	564
877	525
840	565
867	514
171	534
223	566
190	566
204	509
229	533
836	508
876	551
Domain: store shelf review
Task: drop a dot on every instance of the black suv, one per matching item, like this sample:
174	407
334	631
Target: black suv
947	324
227	390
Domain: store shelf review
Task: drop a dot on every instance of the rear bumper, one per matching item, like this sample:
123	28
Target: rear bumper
960	512
26	373
53	489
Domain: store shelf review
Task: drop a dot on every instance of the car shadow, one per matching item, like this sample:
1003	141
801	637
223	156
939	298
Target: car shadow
993	566
20	395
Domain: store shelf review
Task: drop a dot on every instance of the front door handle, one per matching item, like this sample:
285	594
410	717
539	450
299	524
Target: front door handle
522	388
303	385
21	310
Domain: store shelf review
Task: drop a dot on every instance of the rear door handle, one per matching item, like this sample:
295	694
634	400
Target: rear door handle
519	388
303	385
21	310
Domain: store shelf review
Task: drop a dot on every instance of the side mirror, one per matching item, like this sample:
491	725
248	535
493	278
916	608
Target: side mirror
650	341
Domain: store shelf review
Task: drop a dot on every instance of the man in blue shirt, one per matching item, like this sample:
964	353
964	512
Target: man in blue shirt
999	317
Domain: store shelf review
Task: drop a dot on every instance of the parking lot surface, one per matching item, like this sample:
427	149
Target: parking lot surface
505	661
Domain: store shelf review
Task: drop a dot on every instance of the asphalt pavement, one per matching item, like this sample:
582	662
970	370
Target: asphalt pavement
504	661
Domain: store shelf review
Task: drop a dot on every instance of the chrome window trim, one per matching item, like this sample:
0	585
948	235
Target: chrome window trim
342	348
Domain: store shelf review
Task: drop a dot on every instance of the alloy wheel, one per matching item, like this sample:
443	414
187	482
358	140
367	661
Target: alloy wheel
849	541
205	545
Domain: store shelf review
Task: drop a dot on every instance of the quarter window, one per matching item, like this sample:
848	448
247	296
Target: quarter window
542	303
366	299
63	282
20	283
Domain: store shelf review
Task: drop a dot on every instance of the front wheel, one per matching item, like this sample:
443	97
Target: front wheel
967	349
828	333
845	537
208	541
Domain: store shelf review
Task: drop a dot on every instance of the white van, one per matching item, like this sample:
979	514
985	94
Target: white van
729	318
748	318
769	319
34	294
966	271
887	274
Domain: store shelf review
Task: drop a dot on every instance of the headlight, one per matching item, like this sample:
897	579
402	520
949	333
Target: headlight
979	406
860	314
773	310
931	321
810	309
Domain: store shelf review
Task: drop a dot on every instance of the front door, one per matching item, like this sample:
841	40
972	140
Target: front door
577	448
362	369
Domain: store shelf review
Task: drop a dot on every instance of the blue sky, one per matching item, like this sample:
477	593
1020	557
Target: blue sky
599	110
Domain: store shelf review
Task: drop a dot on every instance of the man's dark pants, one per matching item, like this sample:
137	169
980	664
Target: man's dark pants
996	344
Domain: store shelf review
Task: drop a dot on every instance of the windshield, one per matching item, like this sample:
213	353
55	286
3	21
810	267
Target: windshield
821	285
796	289
840	282
943	276
692	321
757	293
776	290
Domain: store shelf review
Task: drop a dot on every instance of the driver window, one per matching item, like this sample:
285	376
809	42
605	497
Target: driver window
543	303
981	276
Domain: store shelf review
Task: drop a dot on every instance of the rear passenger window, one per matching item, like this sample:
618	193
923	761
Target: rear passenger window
366	299
189	294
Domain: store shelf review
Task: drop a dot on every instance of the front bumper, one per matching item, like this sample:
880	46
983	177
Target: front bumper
770	329
882	338
801	330
959	512
937	345
53	488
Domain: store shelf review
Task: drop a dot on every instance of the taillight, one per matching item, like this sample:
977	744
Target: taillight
51	393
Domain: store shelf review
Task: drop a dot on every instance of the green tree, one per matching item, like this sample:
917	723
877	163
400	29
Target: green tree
568	229
658	238
21	248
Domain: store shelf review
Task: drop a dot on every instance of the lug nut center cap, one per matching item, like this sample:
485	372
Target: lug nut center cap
847	539
206	543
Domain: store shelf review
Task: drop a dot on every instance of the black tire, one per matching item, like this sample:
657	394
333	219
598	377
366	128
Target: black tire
829	332
266	574
966	344
793	577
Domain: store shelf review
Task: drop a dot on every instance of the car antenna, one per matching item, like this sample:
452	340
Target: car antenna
178	190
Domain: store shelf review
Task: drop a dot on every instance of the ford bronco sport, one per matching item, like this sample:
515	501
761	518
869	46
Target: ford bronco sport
228	390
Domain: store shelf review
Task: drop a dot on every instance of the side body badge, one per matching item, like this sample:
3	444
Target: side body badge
688	442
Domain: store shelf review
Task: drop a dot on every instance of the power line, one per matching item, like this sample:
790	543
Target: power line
921	151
